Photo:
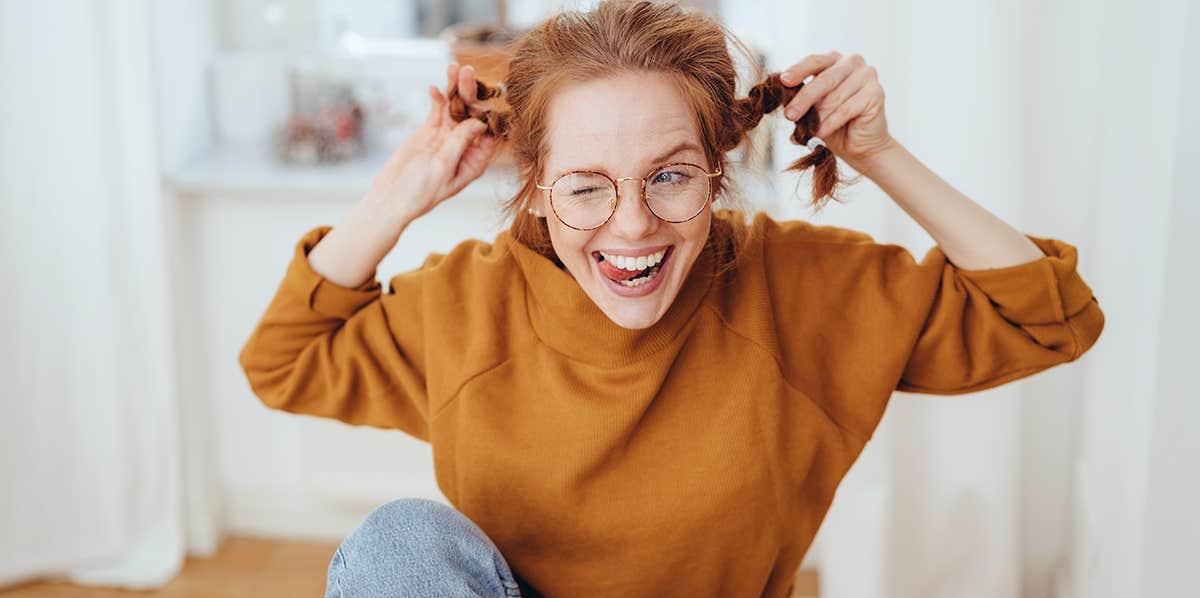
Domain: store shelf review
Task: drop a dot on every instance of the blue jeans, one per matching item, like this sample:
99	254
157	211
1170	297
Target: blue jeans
414	547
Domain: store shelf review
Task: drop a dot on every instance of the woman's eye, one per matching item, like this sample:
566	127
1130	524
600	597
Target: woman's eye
669	176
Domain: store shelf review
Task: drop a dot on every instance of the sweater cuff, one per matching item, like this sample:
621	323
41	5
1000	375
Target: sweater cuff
1044	291
321	295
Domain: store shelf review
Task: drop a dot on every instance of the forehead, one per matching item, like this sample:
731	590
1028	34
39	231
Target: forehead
619	124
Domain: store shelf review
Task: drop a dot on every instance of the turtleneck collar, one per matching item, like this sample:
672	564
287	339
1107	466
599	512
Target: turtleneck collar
565	317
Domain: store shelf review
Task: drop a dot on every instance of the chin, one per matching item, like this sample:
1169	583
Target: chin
633	319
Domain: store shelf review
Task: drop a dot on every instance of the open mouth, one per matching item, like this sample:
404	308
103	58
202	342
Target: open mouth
625	272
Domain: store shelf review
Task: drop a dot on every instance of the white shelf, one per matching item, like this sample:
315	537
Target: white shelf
253	170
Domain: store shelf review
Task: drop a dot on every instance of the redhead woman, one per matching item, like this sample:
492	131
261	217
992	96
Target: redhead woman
631	392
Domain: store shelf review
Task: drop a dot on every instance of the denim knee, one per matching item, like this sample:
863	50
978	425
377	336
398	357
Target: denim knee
414	547
415	518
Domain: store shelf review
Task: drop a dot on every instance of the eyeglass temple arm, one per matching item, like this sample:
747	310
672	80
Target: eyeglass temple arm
707	174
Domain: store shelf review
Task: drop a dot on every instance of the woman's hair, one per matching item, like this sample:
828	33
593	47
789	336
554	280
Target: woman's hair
621	36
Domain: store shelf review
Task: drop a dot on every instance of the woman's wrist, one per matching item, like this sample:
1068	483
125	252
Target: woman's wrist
889	153
351	252
385	216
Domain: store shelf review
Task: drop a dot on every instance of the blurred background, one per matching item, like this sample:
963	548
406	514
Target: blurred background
159	160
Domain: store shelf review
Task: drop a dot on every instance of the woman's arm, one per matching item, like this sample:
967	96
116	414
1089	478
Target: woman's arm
433	164
350	253
971	237
330	343
848	97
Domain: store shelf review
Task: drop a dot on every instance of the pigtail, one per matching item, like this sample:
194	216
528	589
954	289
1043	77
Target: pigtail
497	121
764	98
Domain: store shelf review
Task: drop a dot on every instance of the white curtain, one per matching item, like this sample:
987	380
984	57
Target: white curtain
1064	119
91	457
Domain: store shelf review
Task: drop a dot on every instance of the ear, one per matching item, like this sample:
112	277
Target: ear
538	206
539	199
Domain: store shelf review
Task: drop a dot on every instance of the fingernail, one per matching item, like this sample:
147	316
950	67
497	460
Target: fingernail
786	78
790	114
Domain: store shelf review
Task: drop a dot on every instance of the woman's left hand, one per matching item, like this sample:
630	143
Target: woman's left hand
849	102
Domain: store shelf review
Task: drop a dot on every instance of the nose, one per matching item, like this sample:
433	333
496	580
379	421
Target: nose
632	218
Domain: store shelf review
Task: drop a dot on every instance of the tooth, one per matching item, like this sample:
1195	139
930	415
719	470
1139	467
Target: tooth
631	263
641	263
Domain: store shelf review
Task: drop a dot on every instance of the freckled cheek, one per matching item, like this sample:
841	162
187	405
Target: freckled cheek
571	245
695	232
695	237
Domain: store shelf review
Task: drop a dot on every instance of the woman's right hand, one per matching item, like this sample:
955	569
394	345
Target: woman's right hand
438	159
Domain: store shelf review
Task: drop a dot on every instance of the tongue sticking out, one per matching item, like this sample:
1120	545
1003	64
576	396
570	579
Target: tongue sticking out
616	273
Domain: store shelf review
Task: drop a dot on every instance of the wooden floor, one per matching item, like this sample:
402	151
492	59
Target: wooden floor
243	567
254	567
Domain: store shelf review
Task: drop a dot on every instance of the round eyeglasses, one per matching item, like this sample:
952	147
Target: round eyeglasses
675	192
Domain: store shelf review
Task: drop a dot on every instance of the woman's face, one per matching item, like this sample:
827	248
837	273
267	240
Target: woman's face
625	126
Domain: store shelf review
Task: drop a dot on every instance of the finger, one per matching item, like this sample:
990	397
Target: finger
474	162
458	139
452	70
843	114
437	107
481	150
856	81
811	65
466	84
821	84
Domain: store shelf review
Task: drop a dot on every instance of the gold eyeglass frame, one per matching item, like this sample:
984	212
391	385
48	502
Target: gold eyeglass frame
617	191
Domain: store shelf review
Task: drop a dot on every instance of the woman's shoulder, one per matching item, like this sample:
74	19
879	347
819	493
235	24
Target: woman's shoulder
788	249
472	262
762	226
782	244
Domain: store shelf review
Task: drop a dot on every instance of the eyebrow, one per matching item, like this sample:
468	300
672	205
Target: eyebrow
679	147
682	146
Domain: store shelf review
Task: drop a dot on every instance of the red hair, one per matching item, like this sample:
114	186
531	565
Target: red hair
620	36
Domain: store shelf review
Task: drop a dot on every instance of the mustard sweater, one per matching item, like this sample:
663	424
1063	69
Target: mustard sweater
694	458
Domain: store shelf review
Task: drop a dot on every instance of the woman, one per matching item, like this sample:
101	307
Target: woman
630	393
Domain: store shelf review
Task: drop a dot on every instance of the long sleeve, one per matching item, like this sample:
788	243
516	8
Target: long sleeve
330	351
987	327
857	320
